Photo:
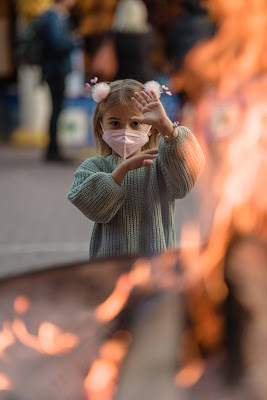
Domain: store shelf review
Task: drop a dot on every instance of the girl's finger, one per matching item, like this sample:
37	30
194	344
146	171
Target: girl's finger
154	96
150	151
140	98
138	105
147	162
146	97
148	156
138	119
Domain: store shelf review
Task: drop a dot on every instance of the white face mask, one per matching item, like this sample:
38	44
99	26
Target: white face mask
125	141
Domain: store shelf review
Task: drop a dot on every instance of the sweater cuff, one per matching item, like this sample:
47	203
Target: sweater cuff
114	185
163	143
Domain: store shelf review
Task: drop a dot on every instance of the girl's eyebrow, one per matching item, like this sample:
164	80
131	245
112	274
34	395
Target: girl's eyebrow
114	118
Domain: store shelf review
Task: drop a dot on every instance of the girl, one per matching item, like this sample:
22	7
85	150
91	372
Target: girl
130	190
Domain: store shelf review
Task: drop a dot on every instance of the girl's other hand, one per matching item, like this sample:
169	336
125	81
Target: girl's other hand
140	160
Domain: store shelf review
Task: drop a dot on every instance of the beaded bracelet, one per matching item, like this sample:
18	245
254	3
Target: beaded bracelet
175	125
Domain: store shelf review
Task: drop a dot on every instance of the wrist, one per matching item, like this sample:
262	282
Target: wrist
170	132
119	173
165	127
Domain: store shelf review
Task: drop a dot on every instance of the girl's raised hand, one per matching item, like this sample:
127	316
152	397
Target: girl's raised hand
151	108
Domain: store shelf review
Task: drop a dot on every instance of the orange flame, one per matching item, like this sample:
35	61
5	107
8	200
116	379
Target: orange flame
115	349
53	341
112	306
141	272
190	243
138	276
4	383
190	374
238	49
100	383
6	337
21	304
21	332
50	339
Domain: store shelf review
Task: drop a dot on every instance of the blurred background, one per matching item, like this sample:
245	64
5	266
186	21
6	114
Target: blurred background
188	324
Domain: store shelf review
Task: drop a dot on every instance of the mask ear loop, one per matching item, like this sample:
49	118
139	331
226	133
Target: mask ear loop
150	126
102	126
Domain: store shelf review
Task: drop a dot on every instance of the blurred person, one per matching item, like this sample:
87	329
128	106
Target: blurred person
130	190
133	41
192	26
189	28
58	43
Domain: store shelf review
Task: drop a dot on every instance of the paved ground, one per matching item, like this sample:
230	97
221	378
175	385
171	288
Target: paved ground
39	226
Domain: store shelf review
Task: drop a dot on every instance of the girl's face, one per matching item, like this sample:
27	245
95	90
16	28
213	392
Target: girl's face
119	117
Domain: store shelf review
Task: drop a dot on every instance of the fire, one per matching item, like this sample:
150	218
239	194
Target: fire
226	81
237	50
111	307
190	374
20	330
53	341
50	340
113	350
21	304
6	337
100	383
4	383
138	276
190	244
141	272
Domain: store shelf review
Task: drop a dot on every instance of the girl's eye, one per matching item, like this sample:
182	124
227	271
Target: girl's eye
135	123
115	123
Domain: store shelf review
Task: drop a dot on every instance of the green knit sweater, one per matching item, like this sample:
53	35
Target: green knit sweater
137	216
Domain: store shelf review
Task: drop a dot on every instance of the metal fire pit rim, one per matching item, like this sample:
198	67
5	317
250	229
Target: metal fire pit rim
55	268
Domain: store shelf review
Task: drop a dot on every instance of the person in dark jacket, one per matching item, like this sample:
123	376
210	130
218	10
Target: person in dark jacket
134	41
58	43
192	26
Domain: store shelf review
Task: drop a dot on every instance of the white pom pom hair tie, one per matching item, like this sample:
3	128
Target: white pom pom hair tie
100	92
153	86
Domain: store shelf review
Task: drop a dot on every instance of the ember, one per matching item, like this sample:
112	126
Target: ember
21	304
190	374
4	383
101	381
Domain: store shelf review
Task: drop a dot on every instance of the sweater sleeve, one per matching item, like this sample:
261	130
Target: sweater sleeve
181	162
95	193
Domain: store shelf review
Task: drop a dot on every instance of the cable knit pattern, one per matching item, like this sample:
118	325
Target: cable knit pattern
136	217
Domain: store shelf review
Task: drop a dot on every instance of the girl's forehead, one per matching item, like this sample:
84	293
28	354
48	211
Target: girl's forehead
122	111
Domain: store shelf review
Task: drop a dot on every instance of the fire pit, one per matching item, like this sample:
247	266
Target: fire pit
103	331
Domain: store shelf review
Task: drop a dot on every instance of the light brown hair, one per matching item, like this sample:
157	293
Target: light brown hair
121	92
